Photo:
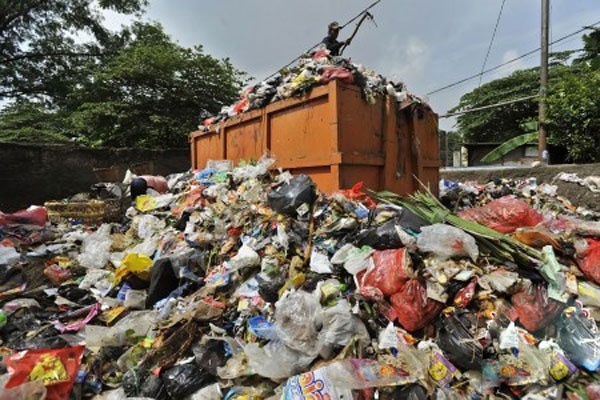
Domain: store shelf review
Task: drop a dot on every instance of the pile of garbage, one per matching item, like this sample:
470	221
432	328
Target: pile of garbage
240	283
313	69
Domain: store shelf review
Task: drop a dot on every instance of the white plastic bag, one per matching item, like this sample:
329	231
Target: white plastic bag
95	250
446	241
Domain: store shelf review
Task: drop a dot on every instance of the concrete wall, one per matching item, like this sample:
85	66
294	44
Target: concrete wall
32	174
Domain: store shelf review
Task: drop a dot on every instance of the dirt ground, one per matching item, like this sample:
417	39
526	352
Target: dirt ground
578	195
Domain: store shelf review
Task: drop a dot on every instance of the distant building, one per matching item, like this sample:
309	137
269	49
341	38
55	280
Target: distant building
523	155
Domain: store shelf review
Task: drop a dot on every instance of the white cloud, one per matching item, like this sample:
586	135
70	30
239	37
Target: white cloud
406	58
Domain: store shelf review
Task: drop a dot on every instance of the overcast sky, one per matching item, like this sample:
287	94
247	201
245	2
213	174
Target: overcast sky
425	43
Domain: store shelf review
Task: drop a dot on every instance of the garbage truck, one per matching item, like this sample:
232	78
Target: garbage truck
336	137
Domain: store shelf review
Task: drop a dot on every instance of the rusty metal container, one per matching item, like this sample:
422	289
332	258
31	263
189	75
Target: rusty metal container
336	137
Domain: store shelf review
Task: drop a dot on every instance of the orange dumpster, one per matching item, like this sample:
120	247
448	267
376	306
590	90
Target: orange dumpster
336	137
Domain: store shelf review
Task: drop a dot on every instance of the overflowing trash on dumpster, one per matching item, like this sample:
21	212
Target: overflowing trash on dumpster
314	68
245	283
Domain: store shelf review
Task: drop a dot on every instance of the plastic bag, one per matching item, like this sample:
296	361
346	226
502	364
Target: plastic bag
55	368
381	237
210	392
276	360
137	322
296	317
314	385
8	255
579	338
162	281
339	327
134	263
588	258
446	241
355	373
504	215
245	258
183	380
287	198
413	309
355	259
535	310
34	215
390	271
339	73
355	193
95	250
211	355
29	391
456	339
319	263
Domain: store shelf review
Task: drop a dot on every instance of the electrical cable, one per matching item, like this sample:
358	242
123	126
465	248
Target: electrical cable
504	103
318	43
487	55
512	60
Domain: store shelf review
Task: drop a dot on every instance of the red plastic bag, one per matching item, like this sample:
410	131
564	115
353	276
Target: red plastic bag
339	73
356	194
414	310
243	104
504	215
588	260
56	368
534	308
391	269
34	215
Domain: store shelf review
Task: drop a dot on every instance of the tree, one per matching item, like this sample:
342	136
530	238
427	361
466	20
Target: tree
135	87
574	115
151	92
574	110
39	54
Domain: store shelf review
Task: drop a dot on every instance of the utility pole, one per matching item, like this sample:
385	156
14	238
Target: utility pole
542	151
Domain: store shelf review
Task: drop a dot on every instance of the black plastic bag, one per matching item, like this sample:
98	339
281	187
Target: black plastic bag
382	237
409	392
132	382
154	388
210	356
287	198
183	380
162	281
457	342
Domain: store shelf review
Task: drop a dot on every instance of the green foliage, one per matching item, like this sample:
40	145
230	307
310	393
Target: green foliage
500	123
574	115
574	109
31	122
39	56
135	87
151	92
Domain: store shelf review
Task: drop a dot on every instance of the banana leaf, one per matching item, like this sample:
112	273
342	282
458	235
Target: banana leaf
509	146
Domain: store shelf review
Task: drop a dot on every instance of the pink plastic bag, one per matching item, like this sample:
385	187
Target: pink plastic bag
504	215
339	73
390	271
414	310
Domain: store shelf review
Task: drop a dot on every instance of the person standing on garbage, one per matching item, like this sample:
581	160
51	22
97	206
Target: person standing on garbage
141	184
331	42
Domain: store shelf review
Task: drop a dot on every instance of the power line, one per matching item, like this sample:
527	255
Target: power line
487	55
318	43
511	60
504	103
